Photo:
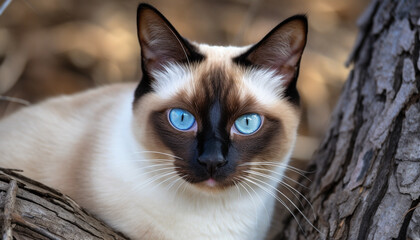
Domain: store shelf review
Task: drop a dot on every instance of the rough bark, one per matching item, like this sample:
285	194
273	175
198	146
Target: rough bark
31	210
367	170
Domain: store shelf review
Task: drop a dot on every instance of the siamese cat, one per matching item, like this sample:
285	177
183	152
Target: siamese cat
195	151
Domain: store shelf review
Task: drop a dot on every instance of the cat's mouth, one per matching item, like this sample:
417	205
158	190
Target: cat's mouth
211	182
218	180
212	185
205	180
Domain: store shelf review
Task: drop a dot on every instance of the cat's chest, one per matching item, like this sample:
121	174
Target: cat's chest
203	220
158	214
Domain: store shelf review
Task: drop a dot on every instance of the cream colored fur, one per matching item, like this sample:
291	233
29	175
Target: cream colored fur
84	145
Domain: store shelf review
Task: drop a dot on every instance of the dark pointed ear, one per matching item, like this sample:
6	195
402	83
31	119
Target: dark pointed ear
160	45
159	41
280	50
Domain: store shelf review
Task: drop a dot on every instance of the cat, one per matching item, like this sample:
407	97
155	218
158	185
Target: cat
193	151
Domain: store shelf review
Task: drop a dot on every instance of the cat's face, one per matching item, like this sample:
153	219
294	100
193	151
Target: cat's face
224	113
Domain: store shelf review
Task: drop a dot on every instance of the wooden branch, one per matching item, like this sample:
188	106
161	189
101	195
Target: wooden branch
9	207
32	210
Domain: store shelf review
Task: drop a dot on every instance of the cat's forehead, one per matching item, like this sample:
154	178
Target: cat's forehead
217	54
218	75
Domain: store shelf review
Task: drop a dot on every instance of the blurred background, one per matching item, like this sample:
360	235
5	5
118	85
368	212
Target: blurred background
52	47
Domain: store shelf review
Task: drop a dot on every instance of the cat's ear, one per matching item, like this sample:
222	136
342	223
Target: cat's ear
160	43
280	50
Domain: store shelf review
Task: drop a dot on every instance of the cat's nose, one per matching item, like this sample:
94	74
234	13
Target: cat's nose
212	161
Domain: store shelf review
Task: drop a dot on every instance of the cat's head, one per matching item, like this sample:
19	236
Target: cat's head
224	113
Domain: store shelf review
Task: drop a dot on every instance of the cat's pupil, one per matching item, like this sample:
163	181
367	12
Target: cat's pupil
182	117
247	121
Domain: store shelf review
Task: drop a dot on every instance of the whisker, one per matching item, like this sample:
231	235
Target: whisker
283	176
185	186
289	187
235	182
153	159
277	164
156	170
145	166
152	179
290	168
174	182
167	154
294	205
155	165
262	202
175	175
182	183
252	199
278	199
277	180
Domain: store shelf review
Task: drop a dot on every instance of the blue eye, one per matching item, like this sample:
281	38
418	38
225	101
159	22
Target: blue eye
248	123
181	119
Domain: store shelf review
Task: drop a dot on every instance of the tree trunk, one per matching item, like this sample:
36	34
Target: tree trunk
31	210
366	181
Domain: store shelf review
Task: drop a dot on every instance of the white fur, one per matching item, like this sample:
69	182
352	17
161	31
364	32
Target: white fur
171	80
220	54
107	179
265	84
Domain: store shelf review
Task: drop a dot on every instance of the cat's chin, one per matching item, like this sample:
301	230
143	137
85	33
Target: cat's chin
212	185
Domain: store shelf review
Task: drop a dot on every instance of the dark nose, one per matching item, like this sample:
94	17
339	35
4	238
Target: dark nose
212	163
212	157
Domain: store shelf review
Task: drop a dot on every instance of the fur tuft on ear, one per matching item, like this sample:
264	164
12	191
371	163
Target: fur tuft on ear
280	50
160	45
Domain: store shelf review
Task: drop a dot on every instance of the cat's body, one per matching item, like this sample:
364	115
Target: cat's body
66	145
121	156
